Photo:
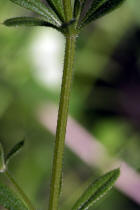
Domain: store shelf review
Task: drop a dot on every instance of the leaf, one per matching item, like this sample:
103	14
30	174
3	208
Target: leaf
100	9
83	2
97	190
39	8
57	6
2	161
9	200
77	7
27	21
94	6
14	151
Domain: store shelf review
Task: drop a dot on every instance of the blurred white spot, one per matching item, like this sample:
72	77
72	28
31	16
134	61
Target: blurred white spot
47	52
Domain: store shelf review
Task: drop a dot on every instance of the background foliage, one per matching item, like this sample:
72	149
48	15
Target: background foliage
107	70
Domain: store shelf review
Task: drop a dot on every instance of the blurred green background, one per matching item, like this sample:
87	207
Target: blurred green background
105	99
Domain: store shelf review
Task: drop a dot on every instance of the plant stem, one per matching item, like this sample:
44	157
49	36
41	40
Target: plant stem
62	122
67	10
20	191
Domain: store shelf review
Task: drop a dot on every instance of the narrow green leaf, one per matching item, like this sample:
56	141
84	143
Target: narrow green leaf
83	2
57	6
27	21
2	161
97	190
38	7
100	9
14	151
77	7
94	6
9	200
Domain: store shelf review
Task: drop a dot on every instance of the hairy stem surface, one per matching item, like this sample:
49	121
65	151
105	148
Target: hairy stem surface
62	122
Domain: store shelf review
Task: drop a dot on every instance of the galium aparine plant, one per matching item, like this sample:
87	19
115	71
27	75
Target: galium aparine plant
69	20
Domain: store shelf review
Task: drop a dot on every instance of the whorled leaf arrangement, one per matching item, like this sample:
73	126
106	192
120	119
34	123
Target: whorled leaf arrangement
53	14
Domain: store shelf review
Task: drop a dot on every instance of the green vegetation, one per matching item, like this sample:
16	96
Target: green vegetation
62	18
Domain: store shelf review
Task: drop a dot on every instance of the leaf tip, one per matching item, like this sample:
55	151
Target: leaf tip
117	171
15	150
6	22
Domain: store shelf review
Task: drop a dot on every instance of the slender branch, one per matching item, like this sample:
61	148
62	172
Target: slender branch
62	122
20	191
